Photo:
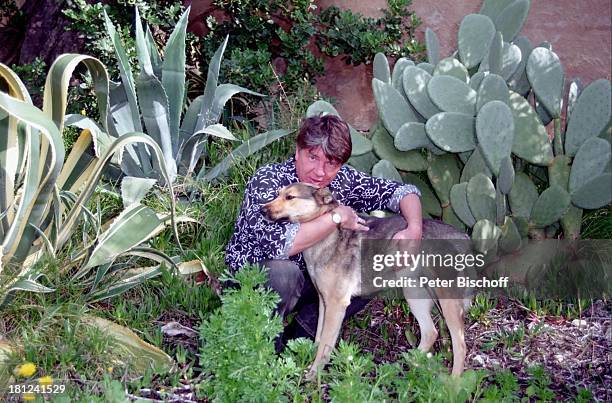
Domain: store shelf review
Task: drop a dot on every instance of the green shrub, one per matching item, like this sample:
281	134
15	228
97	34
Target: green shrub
237	353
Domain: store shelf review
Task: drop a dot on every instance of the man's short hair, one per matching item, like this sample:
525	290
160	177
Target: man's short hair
329	132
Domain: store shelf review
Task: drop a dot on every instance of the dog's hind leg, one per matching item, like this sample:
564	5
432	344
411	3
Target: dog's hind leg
335	311
421	309
453	314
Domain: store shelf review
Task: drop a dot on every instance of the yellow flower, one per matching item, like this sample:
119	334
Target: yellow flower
25	370
83	112
109	369
45	380
28	396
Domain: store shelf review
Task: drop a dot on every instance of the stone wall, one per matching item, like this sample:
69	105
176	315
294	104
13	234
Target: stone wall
579	31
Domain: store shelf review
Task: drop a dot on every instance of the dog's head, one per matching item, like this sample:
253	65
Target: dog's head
300	202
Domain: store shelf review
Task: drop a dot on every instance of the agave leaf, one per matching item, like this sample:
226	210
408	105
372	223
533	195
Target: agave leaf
138	276
173	76
11	147
126	74
211	86
142	355
156	60
133	190
217	130
247	148
38	185
222	94
86	193
190	120
132	227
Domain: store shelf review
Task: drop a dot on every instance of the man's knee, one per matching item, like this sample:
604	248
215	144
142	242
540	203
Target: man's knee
284	276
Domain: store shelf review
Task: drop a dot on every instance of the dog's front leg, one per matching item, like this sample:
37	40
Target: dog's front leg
320	319
335	311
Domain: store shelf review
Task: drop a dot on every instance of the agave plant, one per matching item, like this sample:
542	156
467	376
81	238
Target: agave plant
157	98
480	116
44	194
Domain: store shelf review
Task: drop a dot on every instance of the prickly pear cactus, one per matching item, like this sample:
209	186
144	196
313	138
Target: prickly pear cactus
496	103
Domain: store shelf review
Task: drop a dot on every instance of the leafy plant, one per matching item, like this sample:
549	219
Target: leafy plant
44	194
156	97
237	353
359	38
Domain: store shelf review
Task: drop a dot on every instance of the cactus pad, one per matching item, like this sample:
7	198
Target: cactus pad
511	59
385	169
475	165
550	206
412	136
493	87
590	116
364	162
475	34
519	82
522	196
392	106
443	173
506	176
477	78
495	133
382	143
428	67
433	46
381	68
452	67
452	95
492	8
510	240
415	82
398	71
590	183
511	19
481	197
530	138
546	75
459	202
485	235
452	131
429	201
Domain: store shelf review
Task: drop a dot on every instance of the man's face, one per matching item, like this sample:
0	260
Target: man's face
314	167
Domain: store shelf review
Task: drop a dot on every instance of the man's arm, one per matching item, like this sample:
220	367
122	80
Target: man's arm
410	207
314	231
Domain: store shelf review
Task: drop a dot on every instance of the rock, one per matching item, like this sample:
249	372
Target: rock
579	322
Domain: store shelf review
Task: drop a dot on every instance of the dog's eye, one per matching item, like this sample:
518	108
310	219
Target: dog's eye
289	197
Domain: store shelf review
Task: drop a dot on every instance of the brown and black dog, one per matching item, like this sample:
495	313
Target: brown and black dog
334	267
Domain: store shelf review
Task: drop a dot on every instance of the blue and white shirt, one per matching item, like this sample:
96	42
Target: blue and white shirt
256	238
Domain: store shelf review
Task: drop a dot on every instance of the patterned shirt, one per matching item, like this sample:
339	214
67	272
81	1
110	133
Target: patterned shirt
256	238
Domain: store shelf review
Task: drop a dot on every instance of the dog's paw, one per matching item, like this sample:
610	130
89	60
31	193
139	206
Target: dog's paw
311	374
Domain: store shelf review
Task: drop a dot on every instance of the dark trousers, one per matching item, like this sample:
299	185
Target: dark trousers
299	295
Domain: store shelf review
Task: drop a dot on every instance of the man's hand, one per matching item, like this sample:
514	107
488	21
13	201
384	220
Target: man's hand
412	232
350	219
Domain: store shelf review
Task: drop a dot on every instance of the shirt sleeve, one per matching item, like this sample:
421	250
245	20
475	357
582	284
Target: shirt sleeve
366	193
255	237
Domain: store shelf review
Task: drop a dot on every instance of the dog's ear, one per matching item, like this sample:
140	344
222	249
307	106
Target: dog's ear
323	196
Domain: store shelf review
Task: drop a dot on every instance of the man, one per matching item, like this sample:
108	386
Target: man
323	146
